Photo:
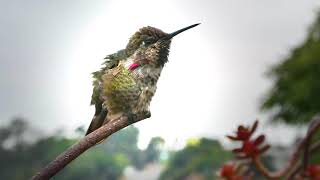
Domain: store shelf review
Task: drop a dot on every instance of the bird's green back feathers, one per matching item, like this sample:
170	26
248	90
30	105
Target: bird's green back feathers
110	62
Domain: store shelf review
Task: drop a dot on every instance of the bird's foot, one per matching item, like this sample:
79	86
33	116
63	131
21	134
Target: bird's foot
146	114
133	117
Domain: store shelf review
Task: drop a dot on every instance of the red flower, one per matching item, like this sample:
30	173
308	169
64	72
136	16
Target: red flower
313	171
244	133
251	148
230	172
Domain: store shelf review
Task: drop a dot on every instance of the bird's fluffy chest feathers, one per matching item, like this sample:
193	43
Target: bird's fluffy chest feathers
129	87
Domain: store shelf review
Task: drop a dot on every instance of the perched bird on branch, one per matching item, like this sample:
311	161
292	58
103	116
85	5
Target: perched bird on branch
128	79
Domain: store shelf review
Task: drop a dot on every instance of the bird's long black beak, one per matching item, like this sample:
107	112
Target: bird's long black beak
171	35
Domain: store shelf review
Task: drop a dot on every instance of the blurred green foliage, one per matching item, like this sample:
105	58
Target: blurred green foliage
21	159
295	95
202	157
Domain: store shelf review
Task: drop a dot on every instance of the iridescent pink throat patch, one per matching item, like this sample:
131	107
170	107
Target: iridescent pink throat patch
133	66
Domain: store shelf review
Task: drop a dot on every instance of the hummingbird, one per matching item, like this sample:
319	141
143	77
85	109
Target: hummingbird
128	79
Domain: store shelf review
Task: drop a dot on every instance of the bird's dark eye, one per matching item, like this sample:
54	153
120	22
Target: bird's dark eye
145	43
148	40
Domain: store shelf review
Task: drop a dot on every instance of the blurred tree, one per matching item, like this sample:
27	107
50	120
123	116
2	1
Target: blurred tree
150	155
200	157
153	150
81	131
23	159
125	142
95	164
295	97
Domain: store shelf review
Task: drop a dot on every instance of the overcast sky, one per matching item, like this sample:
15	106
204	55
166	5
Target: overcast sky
214	79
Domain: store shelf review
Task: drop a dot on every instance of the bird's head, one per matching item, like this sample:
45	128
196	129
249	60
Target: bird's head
153	44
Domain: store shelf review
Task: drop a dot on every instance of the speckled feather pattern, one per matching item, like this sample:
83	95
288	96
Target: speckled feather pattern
119	88
125	90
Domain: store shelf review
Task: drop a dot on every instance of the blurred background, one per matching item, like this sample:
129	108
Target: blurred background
247	60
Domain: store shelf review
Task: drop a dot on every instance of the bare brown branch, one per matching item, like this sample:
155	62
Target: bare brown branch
292	163
84	144
314	148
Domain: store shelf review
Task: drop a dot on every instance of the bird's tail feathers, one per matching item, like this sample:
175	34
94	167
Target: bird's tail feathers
97	121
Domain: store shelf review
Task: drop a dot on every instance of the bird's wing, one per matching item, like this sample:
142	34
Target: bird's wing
111	61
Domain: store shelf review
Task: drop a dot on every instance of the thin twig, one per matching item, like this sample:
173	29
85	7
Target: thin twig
314	148
277	174
262	169
85	143
313	127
